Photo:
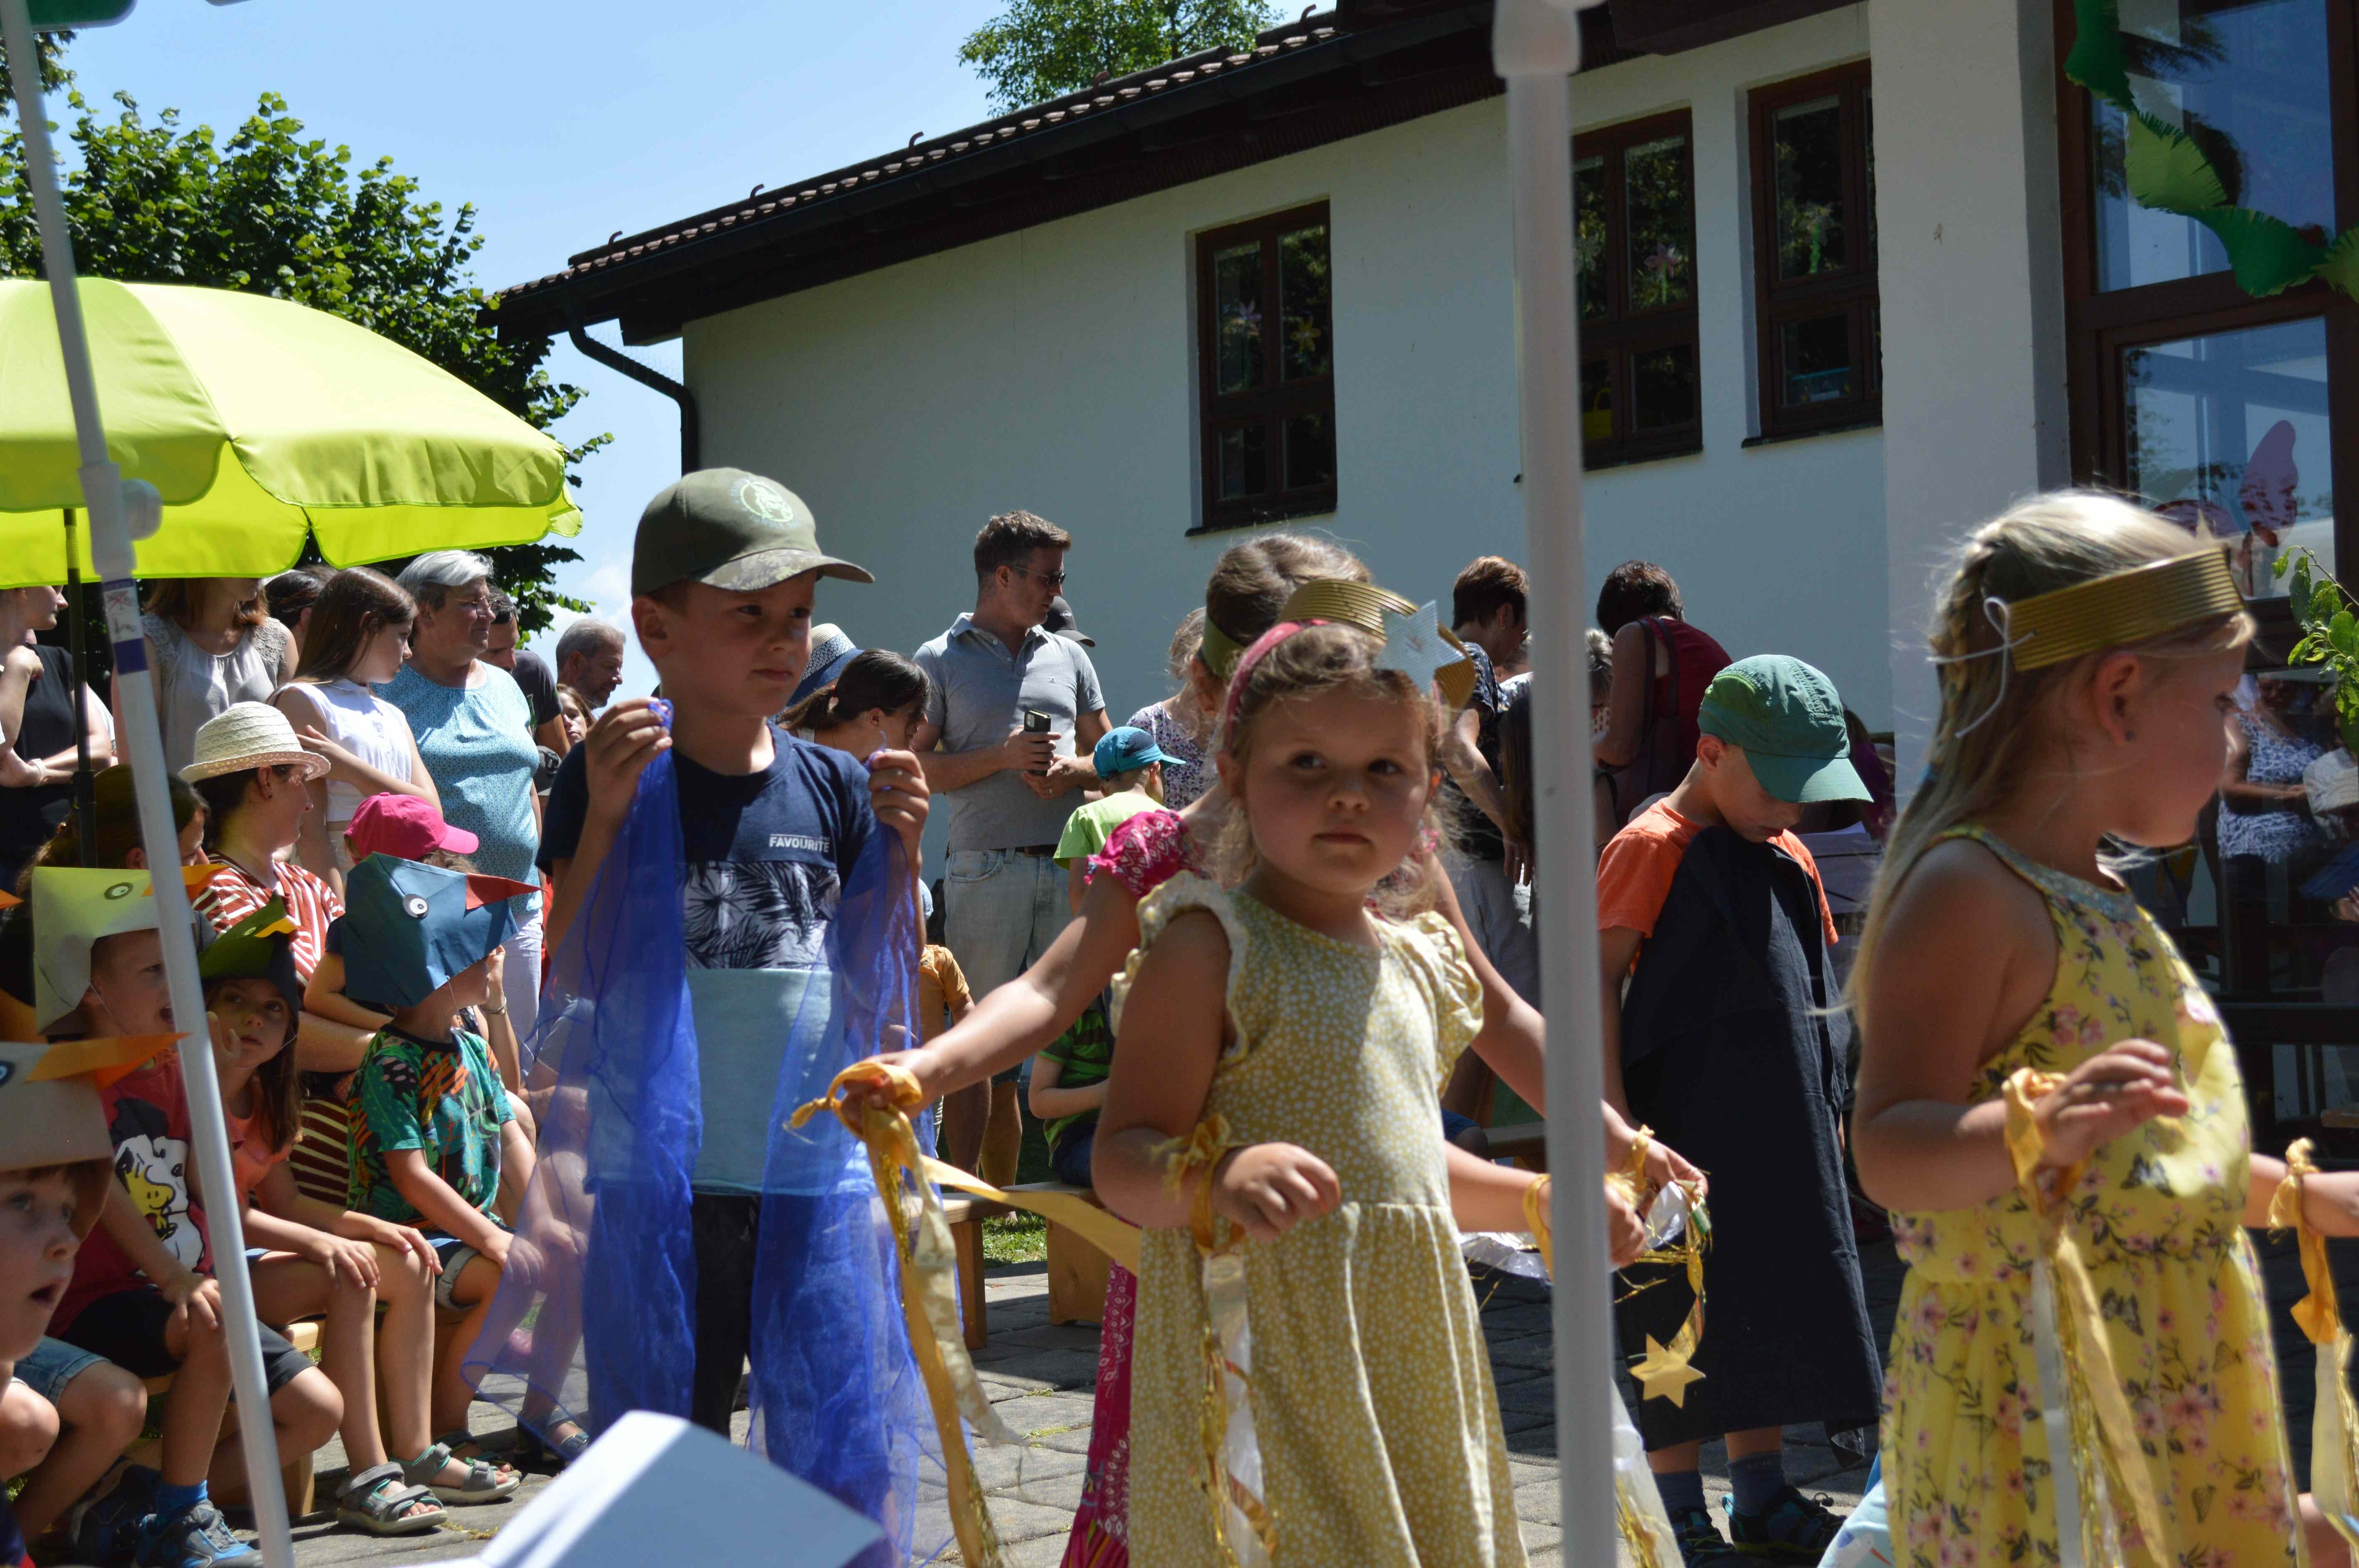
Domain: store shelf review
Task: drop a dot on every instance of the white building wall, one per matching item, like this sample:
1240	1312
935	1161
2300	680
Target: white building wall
1052	369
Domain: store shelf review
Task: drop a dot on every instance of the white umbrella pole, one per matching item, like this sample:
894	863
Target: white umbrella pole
1535	46
110	541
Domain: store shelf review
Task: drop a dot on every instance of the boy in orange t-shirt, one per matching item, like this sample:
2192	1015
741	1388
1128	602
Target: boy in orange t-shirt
1729	1041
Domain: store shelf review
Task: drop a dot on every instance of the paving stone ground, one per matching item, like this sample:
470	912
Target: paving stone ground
1041	1379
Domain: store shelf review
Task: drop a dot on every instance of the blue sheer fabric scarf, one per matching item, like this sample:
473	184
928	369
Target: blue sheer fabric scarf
596	1313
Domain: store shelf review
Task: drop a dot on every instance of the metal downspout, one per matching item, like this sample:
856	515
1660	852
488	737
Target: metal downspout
691	431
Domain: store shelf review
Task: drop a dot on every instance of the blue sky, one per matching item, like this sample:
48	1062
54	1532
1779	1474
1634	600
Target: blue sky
563	120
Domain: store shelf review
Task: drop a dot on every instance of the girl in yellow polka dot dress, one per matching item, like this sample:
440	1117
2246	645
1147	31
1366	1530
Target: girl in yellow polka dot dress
1272	1122
2081	1369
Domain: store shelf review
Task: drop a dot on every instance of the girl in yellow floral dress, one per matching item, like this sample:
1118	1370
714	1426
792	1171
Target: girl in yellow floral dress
2047	1100
1280	1050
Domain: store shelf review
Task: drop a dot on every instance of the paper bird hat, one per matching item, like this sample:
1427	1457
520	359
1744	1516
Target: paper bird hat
51	1115
261	946
73	908
409	926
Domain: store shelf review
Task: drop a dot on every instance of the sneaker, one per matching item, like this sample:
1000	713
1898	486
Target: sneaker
1700	1545
105	1525
197	1537
1795	1528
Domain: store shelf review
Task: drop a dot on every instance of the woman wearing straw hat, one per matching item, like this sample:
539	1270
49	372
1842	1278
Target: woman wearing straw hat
253	774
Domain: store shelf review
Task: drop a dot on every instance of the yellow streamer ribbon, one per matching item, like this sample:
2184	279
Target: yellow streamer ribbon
1231	1477
922	1236
2334	1418
2101	1423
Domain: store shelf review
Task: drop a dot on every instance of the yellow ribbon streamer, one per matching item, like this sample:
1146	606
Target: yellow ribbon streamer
2334	1418
2101	1423
921	1238
1231	1477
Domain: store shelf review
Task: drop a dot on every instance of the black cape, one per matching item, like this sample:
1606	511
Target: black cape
1733	1051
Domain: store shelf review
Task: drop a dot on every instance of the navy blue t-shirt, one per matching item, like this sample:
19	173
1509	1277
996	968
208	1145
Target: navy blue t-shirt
766	855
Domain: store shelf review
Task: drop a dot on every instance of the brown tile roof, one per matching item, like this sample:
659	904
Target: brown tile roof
1176	75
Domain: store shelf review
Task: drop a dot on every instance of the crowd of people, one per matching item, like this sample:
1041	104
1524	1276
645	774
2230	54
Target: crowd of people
512	984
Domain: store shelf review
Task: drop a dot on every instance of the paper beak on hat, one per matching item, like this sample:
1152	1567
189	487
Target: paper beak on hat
49	1111
409	926
72	909
260	947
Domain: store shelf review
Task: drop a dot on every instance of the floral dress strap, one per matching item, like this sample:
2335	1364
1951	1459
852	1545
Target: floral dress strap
1176	897
2056	887
1145	852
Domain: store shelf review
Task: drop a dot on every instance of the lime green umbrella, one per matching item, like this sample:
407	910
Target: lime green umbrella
258	421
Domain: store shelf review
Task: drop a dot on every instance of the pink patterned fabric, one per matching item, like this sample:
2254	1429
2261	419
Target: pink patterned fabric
1101	1537
1145	852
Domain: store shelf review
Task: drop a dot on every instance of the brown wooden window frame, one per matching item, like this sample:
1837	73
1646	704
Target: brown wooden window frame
2099	324
1275	400
1622	332
1851	292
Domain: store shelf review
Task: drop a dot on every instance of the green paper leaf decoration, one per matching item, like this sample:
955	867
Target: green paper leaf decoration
2097	61
2166	169
2270	255
2340	266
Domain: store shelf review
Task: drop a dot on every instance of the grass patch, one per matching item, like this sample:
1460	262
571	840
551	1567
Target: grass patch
1014	1238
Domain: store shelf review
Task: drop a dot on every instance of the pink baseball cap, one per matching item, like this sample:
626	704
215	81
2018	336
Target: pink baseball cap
404	826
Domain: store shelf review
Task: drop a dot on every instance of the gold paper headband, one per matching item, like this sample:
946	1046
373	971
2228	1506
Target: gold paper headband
1365	605
1218	650
2126	607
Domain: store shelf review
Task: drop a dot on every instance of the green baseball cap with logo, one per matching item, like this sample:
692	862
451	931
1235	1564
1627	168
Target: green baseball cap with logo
731	529
1789	721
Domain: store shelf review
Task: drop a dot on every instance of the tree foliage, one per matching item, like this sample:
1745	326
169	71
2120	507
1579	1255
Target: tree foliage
1038	49
273	211
51	48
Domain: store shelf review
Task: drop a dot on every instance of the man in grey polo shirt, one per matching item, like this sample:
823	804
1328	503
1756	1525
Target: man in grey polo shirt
1009	790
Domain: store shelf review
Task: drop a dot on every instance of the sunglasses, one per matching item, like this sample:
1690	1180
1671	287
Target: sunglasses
1054	579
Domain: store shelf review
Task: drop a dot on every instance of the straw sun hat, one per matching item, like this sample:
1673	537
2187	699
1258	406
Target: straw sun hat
247	735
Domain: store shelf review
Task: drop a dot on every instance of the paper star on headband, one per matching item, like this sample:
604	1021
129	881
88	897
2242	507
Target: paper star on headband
1415	646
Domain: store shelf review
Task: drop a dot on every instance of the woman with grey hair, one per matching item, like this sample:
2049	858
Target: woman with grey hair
473	728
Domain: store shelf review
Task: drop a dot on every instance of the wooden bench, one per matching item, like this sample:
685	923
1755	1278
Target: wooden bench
295	1473
1077	1270
1525	1142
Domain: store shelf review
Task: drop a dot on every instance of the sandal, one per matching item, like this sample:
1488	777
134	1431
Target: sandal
532	1449
486	1482
377	1502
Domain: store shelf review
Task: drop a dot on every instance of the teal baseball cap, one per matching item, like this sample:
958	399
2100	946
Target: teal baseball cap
1126	749
1788	718
731	529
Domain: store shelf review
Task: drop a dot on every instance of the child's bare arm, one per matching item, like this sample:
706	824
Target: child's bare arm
1077	883
1049	1102
1174	1025
1484	1196
1616	947
620	745
442	1208
1930	1020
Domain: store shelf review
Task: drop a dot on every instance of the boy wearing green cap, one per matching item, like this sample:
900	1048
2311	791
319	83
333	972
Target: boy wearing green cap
1729	1043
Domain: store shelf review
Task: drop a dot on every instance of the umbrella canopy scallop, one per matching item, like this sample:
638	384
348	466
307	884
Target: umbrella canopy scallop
258	421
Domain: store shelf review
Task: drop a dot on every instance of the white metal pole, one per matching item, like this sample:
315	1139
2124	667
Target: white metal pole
110	544
1536	45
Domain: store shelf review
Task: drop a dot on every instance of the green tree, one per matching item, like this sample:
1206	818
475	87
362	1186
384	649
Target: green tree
273	211
1038	49
51	48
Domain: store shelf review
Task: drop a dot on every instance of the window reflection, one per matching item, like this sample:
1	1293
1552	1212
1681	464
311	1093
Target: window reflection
2249	83
2228	435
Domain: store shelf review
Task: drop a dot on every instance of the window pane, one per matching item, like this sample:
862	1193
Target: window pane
1589	238
1814	361
1661	211
1806	141
1303	304
1309	451
1245	461
2249	82
1236	315
2228	434
1596	401
1663	387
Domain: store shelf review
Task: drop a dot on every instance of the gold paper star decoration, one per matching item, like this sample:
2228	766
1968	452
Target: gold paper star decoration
1660	1366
